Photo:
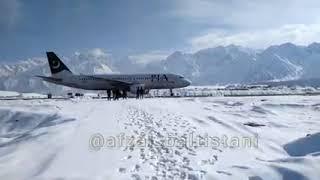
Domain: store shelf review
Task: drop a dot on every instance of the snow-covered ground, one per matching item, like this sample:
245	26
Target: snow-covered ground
241	90
16	95
161	138
4	94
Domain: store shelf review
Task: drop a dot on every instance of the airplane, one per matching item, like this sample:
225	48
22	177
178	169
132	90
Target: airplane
61	75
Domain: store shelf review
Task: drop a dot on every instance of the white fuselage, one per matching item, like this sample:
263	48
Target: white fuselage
100	82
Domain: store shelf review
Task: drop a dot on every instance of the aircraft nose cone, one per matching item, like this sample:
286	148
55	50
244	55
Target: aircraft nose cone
187	82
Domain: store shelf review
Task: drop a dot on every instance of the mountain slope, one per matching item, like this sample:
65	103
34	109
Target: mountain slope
219	65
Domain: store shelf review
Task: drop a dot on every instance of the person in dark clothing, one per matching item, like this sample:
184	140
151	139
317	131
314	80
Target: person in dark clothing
124	94
115	94
141	93
137	93
109	94
118	94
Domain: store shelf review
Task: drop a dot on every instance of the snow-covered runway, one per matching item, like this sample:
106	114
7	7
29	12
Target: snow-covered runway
186	138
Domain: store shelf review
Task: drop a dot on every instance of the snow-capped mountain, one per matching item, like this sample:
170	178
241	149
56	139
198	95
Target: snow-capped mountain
21	76
219	65
236	64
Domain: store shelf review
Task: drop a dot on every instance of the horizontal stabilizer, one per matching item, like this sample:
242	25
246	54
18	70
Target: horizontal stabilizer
50	79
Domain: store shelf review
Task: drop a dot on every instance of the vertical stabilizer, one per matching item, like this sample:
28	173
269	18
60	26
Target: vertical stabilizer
57	67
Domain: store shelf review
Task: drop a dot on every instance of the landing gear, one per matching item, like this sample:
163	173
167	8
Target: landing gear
171	93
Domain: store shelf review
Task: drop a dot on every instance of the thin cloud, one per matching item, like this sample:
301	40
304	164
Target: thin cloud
248	13
249	23
296	33
148	57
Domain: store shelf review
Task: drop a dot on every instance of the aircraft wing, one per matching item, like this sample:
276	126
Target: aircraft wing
112	82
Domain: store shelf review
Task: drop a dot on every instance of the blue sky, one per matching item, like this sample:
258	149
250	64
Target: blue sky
30	27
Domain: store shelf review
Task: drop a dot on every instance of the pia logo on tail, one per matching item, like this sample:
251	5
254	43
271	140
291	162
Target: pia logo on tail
55	64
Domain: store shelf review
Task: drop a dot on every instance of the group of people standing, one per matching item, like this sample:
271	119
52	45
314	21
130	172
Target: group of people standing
117	94
139	93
